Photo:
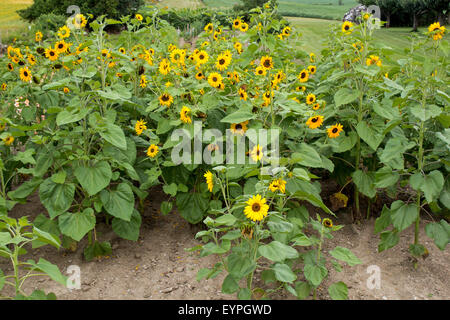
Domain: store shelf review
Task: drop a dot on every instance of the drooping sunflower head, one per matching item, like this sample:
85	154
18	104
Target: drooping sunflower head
242	94
8	140
209	28
209	180
314	122
334	131
38	36
165	99
152	151
140	126
256	209
185	115
239	128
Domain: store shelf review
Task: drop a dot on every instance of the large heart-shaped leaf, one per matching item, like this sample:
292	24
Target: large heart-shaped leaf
77	225
120	202
94	178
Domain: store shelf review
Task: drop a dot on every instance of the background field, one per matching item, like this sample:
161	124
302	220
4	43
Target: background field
324	9
302	14
10	22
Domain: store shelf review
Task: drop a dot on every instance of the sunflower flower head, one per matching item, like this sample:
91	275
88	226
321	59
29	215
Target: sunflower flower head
140	126
209	180
256	209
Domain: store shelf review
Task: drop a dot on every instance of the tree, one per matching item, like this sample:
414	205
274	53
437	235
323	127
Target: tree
441	8
250	4
415	8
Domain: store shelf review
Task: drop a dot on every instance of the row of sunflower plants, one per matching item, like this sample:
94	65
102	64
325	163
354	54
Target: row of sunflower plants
398	114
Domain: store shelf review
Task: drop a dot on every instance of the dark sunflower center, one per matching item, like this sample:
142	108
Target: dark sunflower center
335	130
25	74
314	120
260	71
214	79
303	75
256	207
222	61
346	27
239	126
267	63
60	46
51	53
152	150
165	98
202	57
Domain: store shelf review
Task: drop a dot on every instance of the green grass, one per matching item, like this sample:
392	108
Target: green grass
324	9
10	22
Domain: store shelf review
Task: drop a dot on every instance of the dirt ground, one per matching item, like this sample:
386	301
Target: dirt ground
158	267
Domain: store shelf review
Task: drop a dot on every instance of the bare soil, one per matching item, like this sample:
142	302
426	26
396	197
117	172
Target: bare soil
158	267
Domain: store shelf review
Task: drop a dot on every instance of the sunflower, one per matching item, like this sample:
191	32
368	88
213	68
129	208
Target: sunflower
260	71
373	60
347	27
312	57
312	69
436	31
310	98
267	97
286	31
366	16
209	180
256	153
237	23
223	61
242	94
61	46
274	186
282	185
152	151
256	208
2	126
143	81
314	122
10	66
216	35
64	32
66	90
165	99
316	106
300	88
31	60
122	50
201	57
79	21
214	79
239	128
238	47
38	36
139	17
266	62
4	86
164	67
140	126
51	54
105	54
334	131
25	74
303	76
209	28
243	27
199	75
185	115
358	46
177	56
8	140
327	223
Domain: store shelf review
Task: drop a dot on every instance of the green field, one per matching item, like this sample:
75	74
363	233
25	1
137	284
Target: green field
10	22
324	9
